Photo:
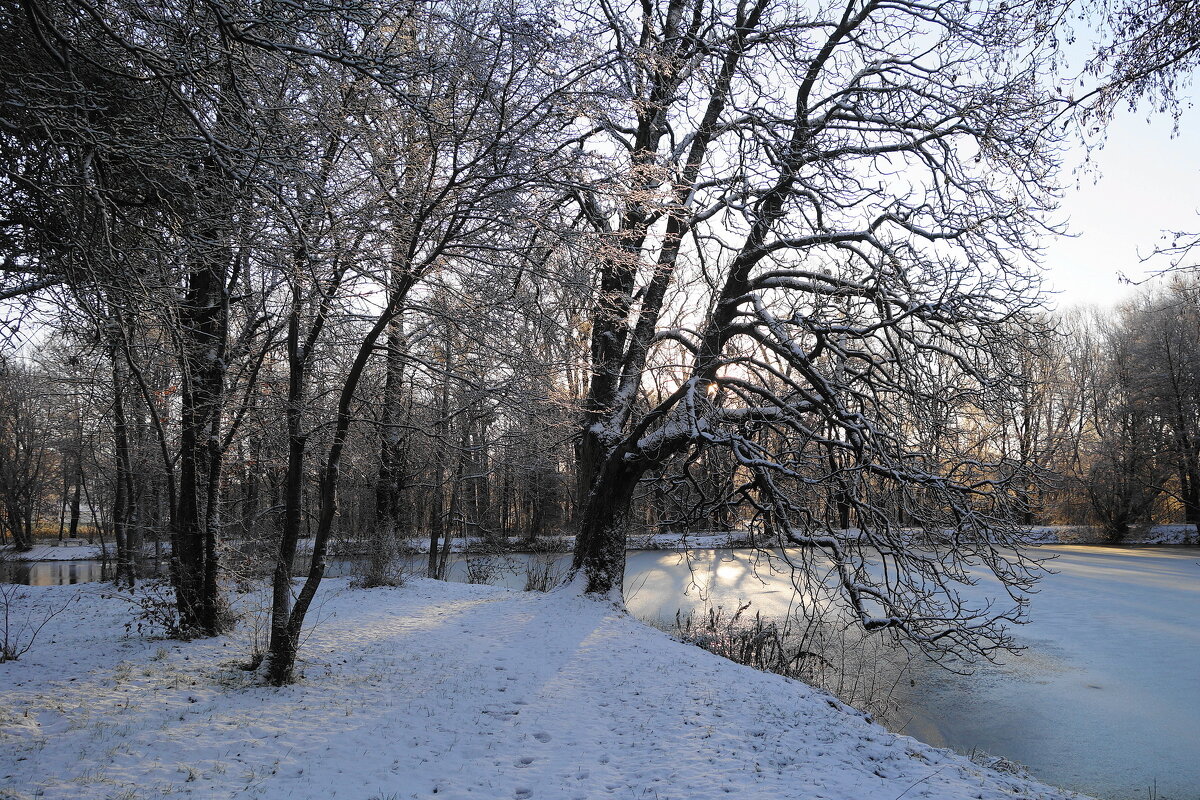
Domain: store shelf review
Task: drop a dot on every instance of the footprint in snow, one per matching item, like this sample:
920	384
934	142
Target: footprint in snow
501	713
523	761
542	737
523	793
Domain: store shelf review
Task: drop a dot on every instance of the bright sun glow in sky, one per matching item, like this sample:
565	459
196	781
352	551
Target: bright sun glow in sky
1142	182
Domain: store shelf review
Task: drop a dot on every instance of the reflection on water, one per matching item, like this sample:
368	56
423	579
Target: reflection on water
52	573
1104	699
67	573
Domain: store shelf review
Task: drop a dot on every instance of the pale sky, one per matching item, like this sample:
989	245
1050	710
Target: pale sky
1142	181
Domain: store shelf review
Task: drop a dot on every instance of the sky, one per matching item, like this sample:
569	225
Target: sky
1141	181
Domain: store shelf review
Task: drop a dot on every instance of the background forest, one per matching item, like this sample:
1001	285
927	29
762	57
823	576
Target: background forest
1108	408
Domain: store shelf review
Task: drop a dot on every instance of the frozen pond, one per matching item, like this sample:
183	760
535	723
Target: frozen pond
1105	699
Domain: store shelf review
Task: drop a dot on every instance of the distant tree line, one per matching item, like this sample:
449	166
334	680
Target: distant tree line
1107	409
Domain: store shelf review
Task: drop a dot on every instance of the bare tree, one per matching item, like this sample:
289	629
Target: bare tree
1145	438
479	95
1168	345
25	456
835	203
1148	51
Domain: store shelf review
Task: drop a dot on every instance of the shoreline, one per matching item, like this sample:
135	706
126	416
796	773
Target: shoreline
1152	536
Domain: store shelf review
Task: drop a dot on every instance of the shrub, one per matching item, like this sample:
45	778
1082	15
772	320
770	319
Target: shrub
384	565
542	572
859	670
21	620
485	567
156	612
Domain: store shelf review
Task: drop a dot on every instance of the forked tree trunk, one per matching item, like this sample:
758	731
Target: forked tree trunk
287	618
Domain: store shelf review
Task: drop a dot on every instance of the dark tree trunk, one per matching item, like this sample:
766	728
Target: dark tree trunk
437	520
842	500
390	512
603	528
123	495
251	489
455	508
205	330
18	527
283	643
76	492
287	618
1189	489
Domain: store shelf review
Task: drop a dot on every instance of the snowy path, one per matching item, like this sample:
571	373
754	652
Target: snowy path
441	690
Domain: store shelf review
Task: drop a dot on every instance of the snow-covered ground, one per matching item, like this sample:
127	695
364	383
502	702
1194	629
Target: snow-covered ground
446	690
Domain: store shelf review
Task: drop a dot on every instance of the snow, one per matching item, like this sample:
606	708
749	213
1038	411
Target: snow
441	689
44	552
1138	535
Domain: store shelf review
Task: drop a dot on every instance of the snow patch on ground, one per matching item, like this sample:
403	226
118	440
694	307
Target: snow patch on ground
442	690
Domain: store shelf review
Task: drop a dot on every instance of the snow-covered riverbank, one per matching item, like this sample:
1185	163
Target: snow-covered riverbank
446	690
75	551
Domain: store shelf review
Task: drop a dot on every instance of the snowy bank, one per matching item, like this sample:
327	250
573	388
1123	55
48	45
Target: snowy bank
446	690
1092	535
78	550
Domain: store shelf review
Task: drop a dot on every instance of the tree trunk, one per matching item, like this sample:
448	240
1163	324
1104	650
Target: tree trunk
1189	489
73	529
283	643
603	529
437	520
389	488
123	486
455	513
205	329
286	625
22	539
